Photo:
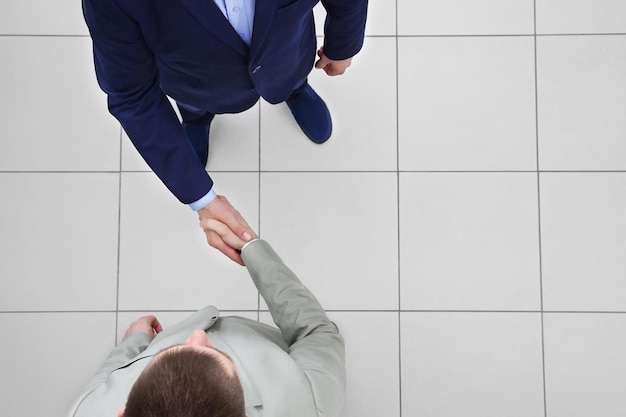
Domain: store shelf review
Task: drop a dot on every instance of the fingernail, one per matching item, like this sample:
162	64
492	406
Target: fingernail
246	236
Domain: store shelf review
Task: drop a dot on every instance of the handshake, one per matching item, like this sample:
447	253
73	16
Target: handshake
225	229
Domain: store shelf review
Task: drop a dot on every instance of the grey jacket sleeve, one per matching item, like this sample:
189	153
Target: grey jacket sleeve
315	344
122	353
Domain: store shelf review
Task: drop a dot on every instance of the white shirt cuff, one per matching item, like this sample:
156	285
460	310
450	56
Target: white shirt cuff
247	243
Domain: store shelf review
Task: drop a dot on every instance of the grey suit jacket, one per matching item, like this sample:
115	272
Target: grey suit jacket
297	371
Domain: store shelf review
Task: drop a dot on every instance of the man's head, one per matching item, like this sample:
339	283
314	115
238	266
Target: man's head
188	380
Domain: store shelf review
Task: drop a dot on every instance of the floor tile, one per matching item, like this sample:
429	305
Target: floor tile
581	16
52	355
362	103
58	241
36	17
348	259
581	90
462	17
381	18
585	364
234	144
467	104
469	241
471	364
47	82
583	224
372	359
372	362
165	261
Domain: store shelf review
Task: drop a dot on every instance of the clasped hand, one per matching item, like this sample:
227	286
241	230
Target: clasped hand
225	229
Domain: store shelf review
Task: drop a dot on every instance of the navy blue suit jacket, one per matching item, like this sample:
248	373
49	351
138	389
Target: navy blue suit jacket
186	49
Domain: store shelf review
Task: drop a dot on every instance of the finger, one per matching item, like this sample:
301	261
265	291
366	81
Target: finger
216	241
224	232
154	323
233	255
227	214
144	324
158	328
341	69
239	226
323	62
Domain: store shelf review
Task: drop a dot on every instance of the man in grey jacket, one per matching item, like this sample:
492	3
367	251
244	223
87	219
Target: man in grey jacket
208	365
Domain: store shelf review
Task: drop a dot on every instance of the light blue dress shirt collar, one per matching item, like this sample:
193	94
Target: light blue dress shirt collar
240	14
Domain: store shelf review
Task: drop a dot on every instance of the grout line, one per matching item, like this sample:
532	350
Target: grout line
64	172
557	35
119	234
429	311
247	310
545	171
432	35
398	213
442	171
258	295
505	35
539	237
32	35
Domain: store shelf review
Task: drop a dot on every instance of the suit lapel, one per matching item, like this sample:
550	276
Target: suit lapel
263	15
210	16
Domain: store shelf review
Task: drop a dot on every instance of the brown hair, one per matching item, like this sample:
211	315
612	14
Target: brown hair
183	382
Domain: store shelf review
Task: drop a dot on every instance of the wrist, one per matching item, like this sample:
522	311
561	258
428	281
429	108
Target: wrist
254	239
203	201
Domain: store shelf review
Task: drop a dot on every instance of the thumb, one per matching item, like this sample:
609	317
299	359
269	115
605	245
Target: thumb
322	62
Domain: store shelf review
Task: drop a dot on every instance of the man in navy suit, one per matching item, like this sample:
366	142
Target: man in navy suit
211	57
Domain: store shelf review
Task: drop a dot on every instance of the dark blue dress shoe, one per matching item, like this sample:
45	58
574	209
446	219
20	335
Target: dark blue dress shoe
311	113
198	134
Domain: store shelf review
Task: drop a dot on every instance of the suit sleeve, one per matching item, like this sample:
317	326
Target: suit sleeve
315	344
127	72
344	29
125	351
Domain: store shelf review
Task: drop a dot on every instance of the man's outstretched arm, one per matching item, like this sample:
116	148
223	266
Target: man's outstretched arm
127	72
315	344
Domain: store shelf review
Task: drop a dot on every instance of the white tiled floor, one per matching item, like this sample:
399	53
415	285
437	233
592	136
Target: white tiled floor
465	226
471	364
466	103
